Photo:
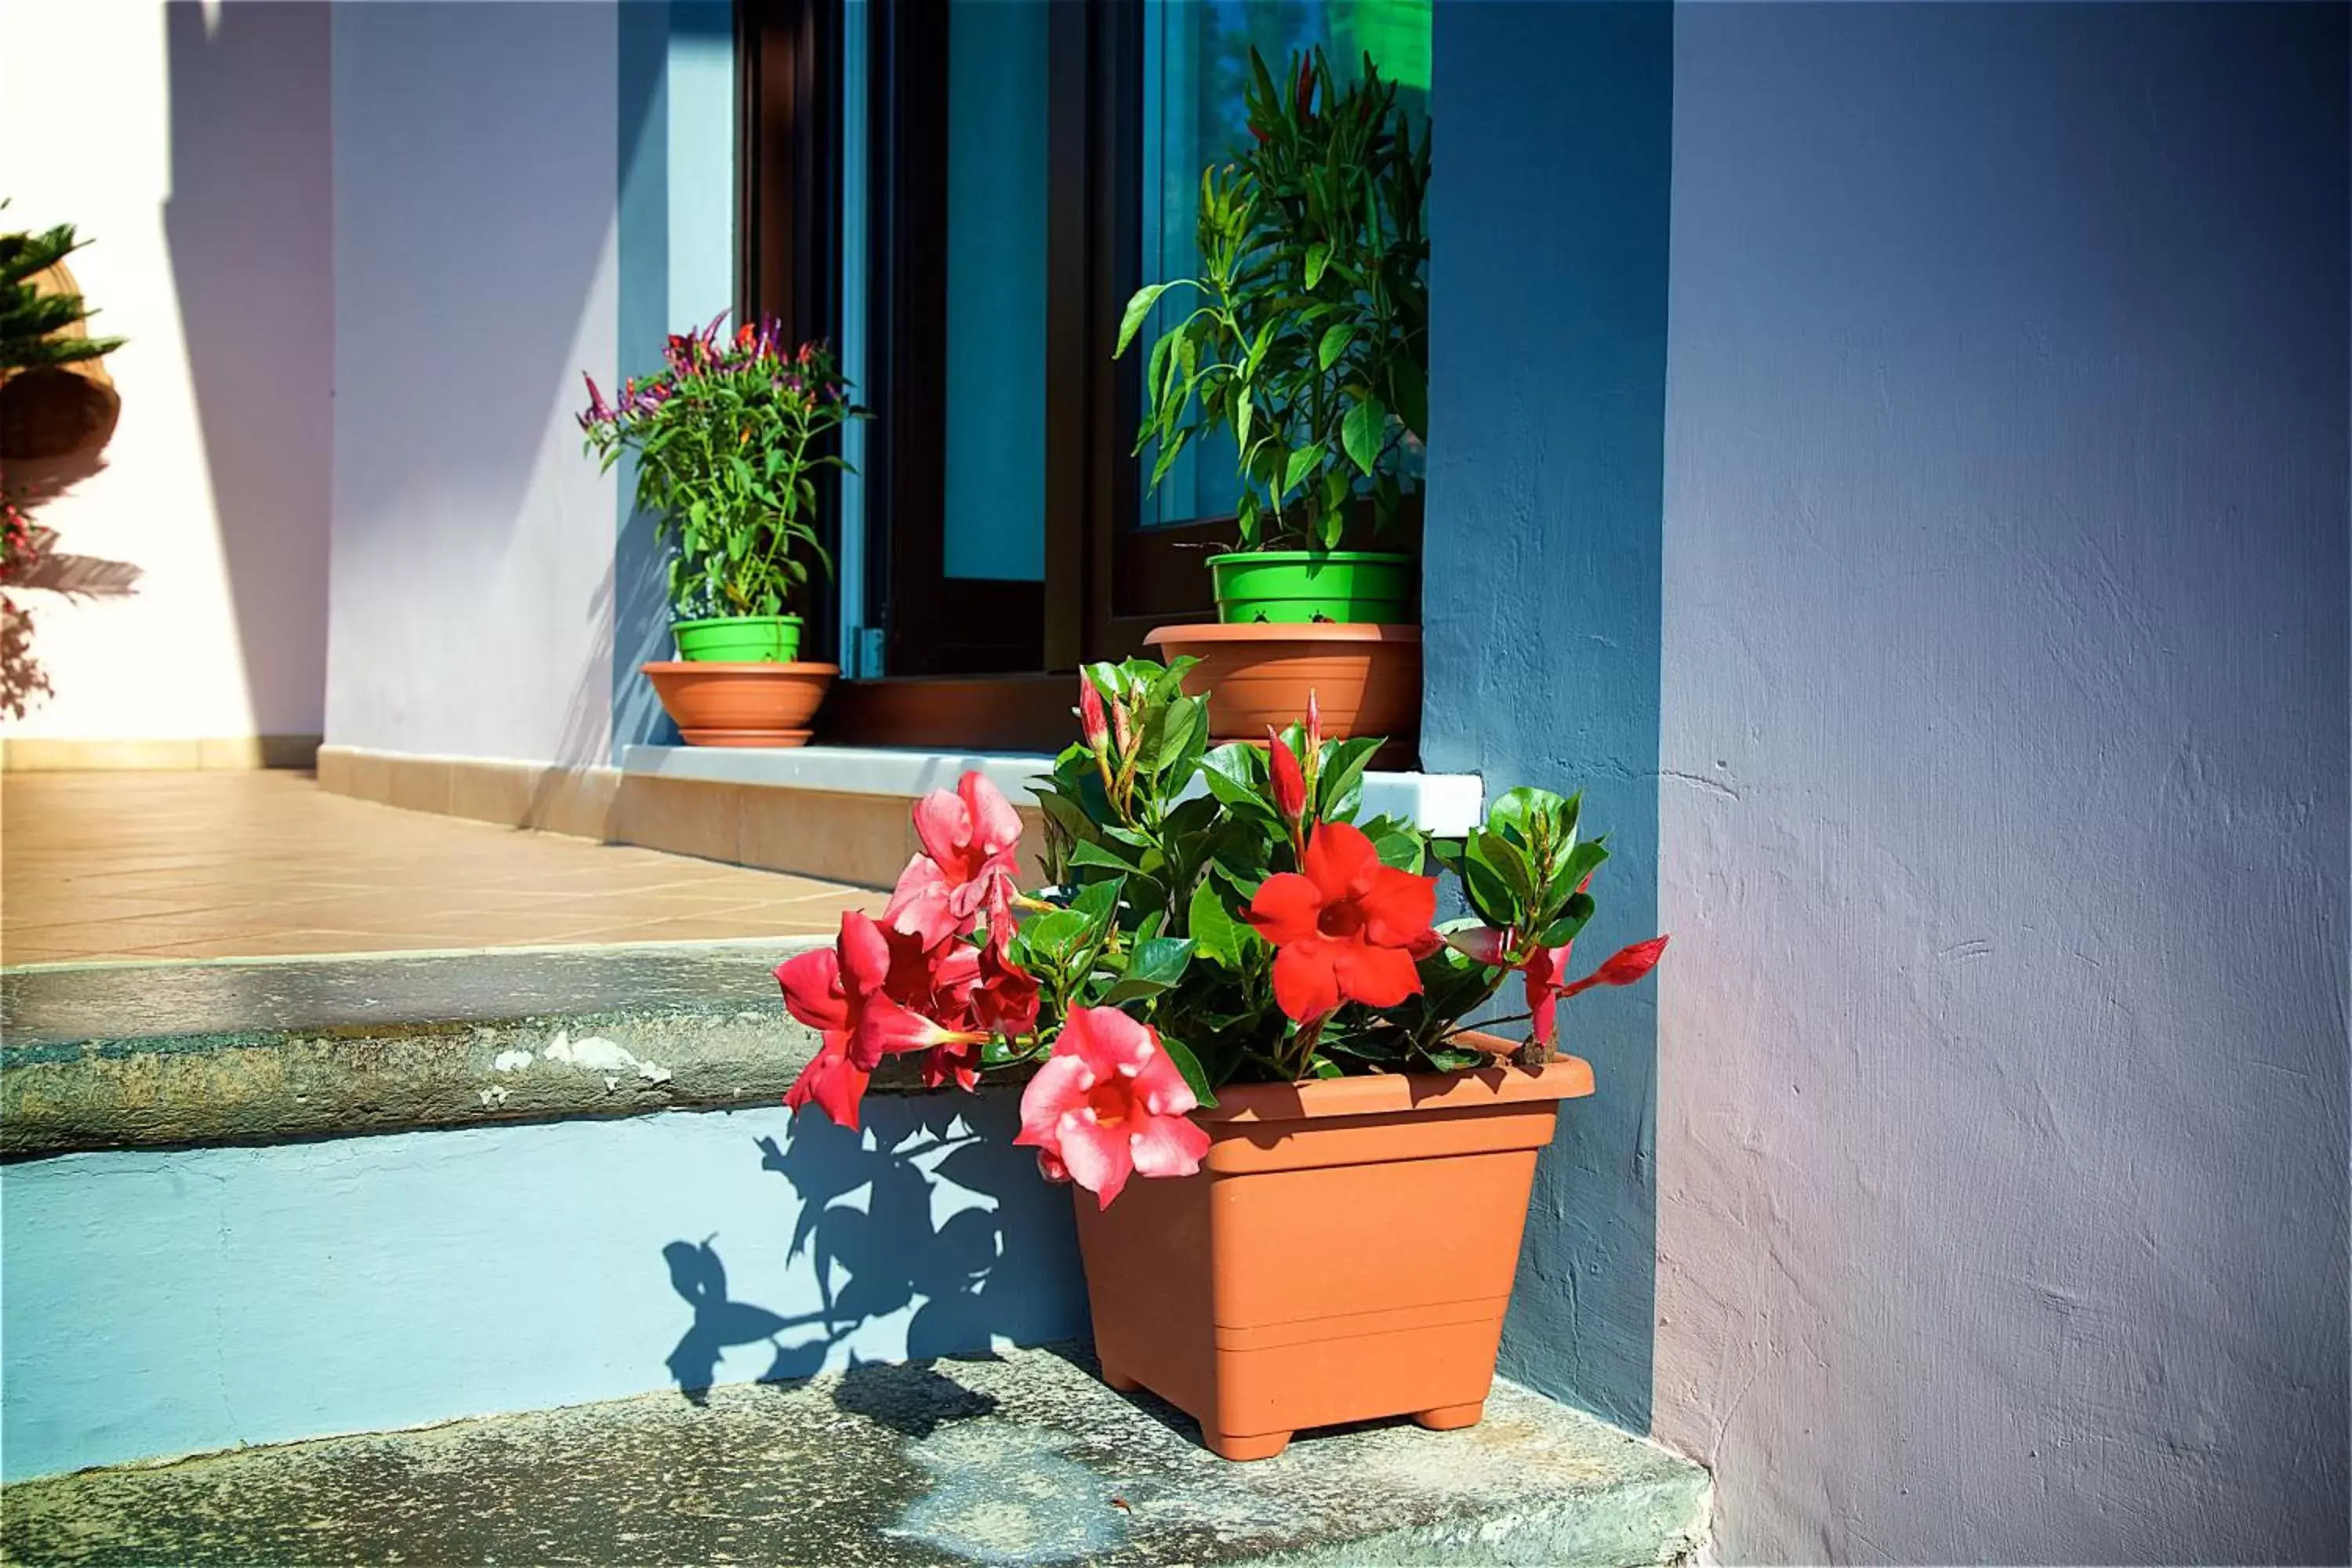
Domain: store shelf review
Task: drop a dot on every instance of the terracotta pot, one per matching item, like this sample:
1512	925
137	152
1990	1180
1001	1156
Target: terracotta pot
759	704
1346	1253
1366	679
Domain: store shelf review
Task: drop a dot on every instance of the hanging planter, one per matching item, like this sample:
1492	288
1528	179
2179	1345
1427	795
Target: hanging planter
728	438
1301	1178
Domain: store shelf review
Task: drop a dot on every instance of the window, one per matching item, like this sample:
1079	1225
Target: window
964	193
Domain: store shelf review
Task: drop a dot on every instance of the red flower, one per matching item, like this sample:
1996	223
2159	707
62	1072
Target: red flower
1346	930
1110	1104
1289	782
968	862
1546	964
844	993
1005	1001
1094	725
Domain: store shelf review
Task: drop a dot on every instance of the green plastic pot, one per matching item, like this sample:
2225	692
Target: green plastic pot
738	639
1290	587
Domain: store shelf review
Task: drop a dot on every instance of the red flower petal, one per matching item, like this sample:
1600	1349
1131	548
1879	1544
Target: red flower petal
1376	977
1398	907
1166	1146
995	825
1304	984
1098	1158
943	824
1622	967
1287	908
864	955
812	984
831	1080
1340	860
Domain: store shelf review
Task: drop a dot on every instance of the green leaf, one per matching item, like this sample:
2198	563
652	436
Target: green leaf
1302	463
1099	900
1196	1078
1152	967
1092	853
1339	787
1216	935
1335	343
1571	923
1183	722
1400	847
1318	258
1518	872
1138	308
1360	432
1241	420
1051	941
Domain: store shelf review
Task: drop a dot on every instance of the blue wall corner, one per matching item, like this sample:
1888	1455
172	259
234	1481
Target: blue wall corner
1541	563
676	241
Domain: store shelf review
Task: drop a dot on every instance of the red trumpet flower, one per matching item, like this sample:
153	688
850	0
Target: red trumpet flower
1289	782
1546	964
1346	930
844	993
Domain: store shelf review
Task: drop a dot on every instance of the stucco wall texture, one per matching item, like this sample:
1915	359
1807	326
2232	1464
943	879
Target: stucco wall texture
2001	1118
192	595
476	275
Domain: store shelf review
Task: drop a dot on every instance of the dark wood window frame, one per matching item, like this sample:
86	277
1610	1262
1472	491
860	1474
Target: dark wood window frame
1106	582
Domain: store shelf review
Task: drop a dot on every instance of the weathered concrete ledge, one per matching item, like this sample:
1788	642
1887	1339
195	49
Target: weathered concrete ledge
131	1055
1025	1459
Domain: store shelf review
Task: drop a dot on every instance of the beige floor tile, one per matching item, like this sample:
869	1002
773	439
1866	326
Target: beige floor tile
226	864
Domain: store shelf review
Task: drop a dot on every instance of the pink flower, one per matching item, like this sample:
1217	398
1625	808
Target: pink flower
1546	964
1347	930
969	861
844	994
1110	1104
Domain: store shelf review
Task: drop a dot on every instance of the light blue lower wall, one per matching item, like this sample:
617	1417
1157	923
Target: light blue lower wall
171	1302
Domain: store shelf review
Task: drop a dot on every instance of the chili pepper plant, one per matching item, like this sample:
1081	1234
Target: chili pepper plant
1213	915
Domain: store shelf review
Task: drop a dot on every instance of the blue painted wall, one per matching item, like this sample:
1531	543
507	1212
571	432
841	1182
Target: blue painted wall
1541	596
676	204
161	1303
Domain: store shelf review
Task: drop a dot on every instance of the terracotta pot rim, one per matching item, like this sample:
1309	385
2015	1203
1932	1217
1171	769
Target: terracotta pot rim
734	666
1279	631
1564	1077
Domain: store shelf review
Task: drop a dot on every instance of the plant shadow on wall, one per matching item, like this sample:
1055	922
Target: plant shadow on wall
923	1234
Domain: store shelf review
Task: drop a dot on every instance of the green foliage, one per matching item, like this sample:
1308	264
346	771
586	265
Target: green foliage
28	319
729	438
1308	336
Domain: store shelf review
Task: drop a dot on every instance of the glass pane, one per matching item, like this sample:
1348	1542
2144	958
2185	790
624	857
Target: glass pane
1195	65
995	523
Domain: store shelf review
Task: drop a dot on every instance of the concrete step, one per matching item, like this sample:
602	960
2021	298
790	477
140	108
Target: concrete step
1018	1458
250	1051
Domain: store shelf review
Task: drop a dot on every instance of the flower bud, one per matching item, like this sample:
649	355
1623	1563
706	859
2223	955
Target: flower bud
1094	726
1289	783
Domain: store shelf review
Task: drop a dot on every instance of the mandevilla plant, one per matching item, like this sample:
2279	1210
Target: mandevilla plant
727	437
1214	915
1309	339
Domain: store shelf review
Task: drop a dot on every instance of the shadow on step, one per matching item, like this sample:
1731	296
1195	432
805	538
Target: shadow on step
910	1219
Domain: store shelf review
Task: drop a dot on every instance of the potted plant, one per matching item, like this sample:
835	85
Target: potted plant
729	437
1235	987
1307	341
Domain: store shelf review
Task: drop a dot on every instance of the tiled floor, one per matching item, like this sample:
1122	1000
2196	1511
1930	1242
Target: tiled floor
220	865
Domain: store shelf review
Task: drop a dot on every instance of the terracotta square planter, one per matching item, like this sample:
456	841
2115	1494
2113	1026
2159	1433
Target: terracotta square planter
1346	1253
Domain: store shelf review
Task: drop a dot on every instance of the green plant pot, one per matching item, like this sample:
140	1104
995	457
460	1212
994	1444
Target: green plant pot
738	639
1291	587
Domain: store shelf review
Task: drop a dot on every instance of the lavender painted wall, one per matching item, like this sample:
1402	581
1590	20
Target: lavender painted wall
2003	1129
